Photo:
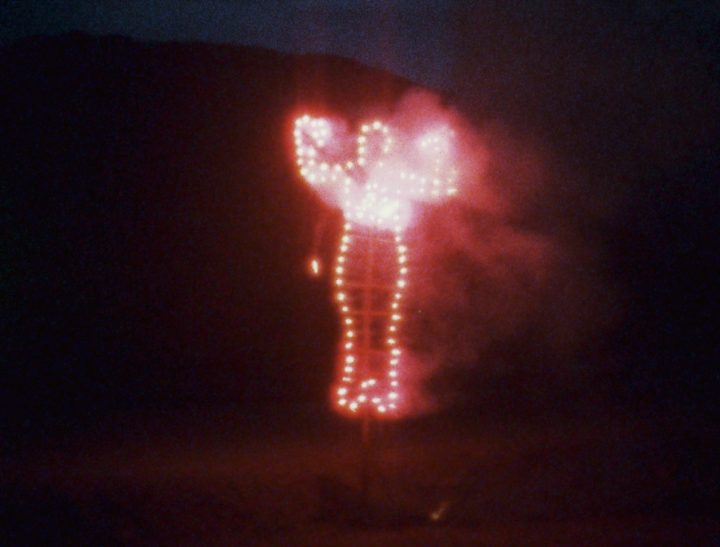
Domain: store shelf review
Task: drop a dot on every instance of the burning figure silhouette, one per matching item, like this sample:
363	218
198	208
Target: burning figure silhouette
374	177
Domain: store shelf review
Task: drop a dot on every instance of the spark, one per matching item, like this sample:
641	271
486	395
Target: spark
314	267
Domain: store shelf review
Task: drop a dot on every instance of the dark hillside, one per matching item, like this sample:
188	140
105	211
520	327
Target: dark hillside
154	226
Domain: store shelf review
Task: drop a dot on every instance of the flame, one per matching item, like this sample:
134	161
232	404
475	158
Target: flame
375	189
314	267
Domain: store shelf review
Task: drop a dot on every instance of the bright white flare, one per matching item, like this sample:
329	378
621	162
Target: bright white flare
388	172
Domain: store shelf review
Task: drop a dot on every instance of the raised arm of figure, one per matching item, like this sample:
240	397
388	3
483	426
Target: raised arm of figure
312	137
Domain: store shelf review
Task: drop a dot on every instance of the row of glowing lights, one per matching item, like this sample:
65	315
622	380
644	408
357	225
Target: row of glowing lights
369	386
375	201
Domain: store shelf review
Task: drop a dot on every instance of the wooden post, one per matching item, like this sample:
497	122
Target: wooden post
367	284
367	433
366	463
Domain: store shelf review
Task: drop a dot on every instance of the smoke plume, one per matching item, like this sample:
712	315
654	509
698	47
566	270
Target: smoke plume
505	284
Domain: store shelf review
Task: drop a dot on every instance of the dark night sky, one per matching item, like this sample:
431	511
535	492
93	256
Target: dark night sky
430	41
410	38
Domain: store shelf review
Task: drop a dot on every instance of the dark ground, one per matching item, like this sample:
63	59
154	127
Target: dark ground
234	480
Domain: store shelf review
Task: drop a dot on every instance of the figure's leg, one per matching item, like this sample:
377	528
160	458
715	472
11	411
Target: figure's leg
347	366
370	279
392	396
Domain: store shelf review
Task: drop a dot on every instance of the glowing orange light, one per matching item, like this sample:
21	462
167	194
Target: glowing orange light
314	267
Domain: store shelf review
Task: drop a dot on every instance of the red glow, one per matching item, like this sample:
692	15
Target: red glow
374	177
387	172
